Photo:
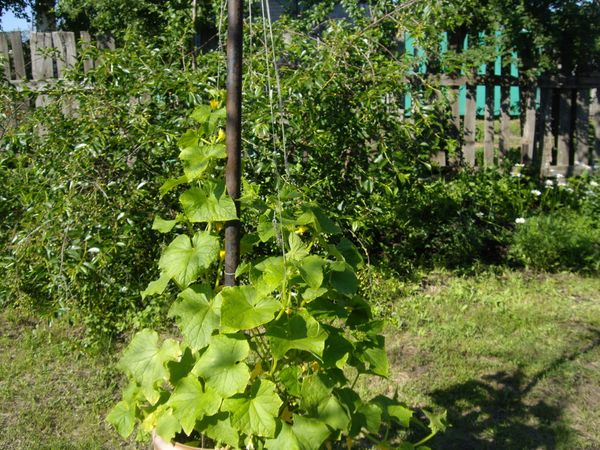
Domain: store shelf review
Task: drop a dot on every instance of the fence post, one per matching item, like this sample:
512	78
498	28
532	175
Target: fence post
488	127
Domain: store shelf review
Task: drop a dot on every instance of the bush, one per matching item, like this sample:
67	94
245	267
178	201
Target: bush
560	241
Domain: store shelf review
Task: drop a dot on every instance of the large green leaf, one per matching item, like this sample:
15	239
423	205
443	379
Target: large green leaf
162	225
197	158
304	434
197	317
184	259
190	402
254	413
167	426
157	286
221	364
298	331
172	183
333	414
372	353
243	308
272	274
122	417
146	362
311	270
343	278
219	429
209	204
314	392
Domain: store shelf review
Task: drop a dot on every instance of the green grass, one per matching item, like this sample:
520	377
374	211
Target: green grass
513	357
53	395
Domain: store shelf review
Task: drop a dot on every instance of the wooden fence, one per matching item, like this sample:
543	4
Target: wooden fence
559	130
45	56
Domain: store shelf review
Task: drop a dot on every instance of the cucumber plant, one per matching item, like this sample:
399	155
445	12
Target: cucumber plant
272	362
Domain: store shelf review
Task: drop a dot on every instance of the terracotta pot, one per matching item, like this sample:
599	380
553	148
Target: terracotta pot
161	444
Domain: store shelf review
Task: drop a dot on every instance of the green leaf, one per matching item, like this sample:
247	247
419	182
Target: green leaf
298	331
197	317
298	250
350	253
290	378
172	183
219	429
304	434
337	350
333	414
314	392
243	308
285	439
167	426
311	294
393	410
198	158
145	362
273	274
254	413
343	278
311	270
157	286
201	114
368	416
211	204
184	259
122	417
437	422
315	216
190	402
221	365
162	225
372	352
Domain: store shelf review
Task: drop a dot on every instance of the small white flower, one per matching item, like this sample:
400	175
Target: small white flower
94	250
479	214
559	175
520	220
536	192
594	183
569	190
517	175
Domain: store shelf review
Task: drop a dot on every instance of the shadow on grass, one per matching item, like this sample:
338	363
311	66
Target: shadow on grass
496	413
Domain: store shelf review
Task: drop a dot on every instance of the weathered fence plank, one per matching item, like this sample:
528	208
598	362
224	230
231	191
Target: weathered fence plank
564	128
64	42
488	127
16	44
469	126
582	127
5	55
41	61
504	141
86	42
529	123
595	118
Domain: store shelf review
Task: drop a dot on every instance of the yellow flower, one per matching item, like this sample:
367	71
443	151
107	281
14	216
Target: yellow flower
218	226
315	366
214	104
301	229
221	136
222	255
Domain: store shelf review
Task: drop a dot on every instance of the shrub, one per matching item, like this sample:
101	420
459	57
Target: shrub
559	241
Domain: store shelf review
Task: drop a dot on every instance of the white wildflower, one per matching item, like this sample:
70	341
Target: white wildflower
559	176
94	250
594	183
536	192
520	220
549	183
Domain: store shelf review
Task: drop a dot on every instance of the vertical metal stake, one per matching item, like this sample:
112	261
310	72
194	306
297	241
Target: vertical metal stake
233	170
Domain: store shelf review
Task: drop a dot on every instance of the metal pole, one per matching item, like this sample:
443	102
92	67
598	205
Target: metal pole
233	172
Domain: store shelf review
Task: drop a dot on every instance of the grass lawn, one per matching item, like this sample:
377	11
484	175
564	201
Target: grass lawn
514	358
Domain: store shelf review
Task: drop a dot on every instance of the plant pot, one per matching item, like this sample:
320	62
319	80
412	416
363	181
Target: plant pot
160	444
